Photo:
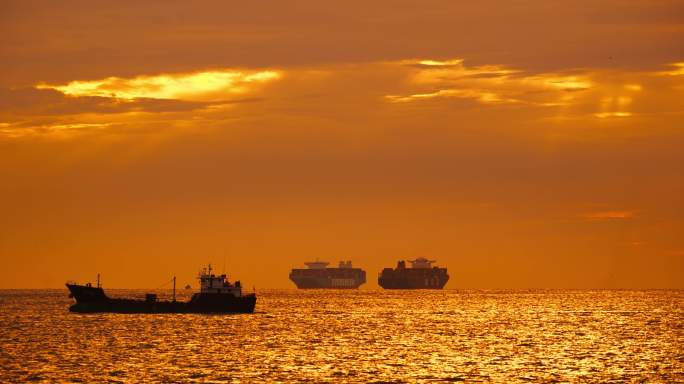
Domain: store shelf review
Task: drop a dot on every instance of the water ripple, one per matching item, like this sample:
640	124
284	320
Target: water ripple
355	336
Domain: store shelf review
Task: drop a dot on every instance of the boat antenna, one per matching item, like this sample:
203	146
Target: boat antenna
224	264
174	289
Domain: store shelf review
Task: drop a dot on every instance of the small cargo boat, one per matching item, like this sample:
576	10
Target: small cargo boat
216	295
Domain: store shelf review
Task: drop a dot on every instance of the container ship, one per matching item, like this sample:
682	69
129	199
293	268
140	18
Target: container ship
421	275
216	295
318	275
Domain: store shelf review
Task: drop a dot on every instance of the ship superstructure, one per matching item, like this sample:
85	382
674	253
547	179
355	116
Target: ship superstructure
421	275
318	275
216	295
219	284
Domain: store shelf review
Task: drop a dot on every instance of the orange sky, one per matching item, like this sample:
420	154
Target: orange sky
524	144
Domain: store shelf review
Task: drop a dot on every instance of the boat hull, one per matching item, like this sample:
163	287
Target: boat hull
93	300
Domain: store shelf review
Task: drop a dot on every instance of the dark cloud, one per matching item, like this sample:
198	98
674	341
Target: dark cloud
58	42
47	102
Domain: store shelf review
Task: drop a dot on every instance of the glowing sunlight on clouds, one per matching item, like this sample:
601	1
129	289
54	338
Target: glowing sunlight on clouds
437	63
487	84
677	71
599	95
208	85
55	130
609	215
476	94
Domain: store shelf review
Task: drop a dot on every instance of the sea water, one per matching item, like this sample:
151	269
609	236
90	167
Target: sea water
354	336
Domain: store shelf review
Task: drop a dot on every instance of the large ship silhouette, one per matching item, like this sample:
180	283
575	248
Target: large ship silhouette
216	295
421	275
317	275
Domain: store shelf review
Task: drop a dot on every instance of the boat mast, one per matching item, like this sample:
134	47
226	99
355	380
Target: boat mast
174	288
98	280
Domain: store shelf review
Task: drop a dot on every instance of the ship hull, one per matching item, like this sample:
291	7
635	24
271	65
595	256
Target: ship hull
413	278
93	300
326	283
408	284
329	278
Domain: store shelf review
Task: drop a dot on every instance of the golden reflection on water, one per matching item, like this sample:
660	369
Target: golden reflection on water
355	336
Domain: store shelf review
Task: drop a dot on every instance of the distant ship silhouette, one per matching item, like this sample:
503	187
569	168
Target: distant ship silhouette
421	275
318	275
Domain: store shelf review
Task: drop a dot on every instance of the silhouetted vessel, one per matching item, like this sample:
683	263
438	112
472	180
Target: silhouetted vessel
421	275
317	275
216	295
